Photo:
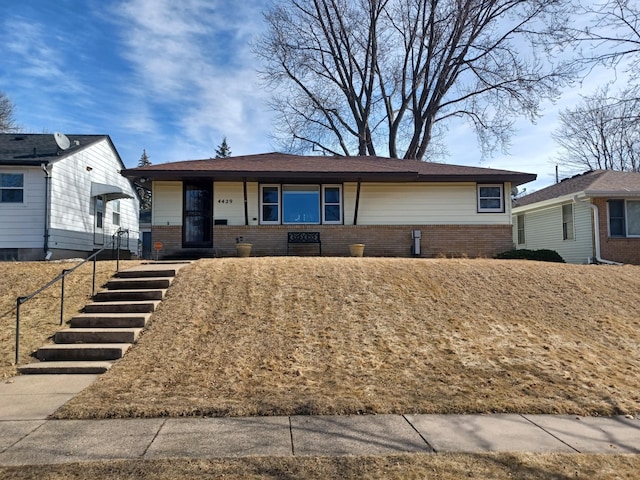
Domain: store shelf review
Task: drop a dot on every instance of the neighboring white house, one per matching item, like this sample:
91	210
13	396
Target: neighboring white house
63	196
594	216
395	207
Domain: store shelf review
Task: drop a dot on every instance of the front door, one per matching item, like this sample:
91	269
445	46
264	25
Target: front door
197	230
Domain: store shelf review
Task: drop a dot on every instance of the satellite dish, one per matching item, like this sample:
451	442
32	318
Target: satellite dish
62	140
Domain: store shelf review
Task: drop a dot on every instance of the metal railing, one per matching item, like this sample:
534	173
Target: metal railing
114	244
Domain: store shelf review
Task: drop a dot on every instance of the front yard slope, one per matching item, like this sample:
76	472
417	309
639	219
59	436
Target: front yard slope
283	336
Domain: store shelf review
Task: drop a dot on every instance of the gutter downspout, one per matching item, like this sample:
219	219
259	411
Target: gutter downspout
596	232
47	177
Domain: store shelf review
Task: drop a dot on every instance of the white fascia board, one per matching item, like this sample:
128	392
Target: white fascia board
552	202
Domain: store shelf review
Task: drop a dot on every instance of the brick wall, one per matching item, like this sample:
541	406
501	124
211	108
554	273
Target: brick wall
624	250
380	240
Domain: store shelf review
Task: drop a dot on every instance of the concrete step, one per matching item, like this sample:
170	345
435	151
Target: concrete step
142	306
65	367
110	320
97	335
139	283
168	272
129	295
82	352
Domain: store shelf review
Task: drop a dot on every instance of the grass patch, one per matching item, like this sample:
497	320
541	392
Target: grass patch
40	316
285	336
416	466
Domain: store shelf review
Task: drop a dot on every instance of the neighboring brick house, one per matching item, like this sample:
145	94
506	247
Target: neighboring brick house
200	207
590	217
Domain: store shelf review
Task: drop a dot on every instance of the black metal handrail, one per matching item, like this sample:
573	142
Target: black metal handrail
115	243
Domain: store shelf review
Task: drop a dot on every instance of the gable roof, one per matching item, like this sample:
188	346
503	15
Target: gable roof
33	149
596	183
281	166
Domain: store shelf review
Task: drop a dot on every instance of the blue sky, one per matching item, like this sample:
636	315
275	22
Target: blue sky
175	77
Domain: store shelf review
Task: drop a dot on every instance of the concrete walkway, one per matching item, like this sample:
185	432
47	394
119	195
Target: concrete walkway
27	437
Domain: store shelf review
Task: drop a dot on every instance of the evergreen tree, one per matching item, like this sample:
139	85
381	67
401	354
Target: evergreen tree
223	150
144	191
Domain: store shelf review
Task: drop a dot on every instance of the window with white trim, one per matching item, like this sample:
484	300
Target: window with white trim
567	222
270	204
11	188
332	204
115	209
491	198
300	204
624	218
520	226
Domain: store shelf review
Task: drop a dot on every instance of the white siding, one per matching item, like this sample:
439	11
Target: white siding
543	229
228	202
22	224
426	204
72	207
167	203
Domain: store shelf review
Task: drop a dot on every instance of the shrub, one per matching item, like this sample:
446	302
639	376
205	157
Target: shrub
542	255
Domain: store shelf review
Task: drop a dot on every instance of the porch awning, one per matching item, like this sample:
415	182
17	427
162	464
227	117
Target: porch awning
109	192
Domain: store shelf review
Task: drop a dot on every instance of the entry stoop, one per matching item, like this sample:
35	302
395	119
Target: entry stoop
109	325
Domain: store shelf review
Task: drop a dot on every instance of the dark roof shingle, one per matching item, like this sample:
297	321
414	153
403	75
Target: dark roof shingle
35	148
287	166
596	183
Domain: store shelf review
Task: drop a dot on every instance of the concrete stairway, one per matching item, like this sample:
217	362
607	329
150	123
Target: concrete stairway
109	325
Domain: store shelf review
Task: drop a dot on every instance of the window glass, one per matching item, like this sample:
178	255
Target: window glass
301	204
490	198
99	211
567	222
332	209
633	217
115	205
616	218
521	238
11	187
270	204
270	195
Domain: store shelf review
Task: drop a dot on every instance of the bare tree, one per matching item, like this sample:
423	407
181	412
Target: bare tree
363	76
7	121
611	37
602	132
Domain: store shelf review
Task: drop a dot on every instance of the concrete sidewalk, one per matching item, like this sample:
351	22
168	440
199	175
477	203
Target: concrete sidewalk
28	438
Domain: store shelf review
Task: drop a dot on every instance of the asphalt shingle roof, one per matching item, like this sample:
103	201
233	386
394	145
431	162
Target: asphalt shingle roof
36	148
281	165
596	183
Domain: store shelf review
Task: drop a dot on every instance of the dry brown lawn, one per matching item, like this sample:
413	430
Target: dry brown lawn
40	316
283	336
400	467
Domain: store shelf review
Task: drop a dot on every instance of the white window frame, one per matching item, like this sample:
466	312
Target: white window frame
522	240
279	204
339	204
115	212
480	186
13	188
568	235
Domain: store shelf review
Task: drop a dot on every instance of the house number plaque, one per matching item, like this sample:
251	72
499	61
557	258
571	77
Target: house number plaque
225	200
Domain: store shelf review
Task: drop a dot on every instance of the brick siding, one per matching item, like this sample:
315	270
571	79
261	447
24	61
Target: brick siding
380	240
623	250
